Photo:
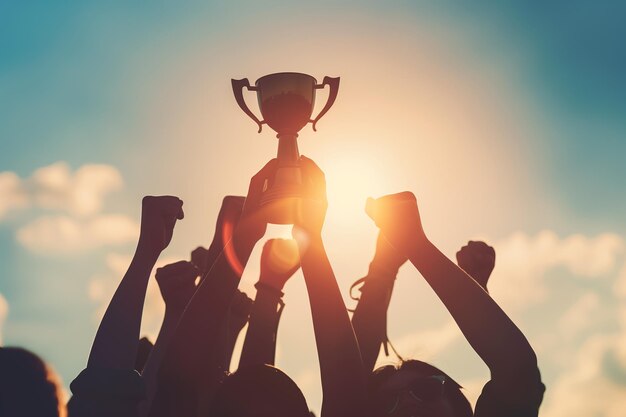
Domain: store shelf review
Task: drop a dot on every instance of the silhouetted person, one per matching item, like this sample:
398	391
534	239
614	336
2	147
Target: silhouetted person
341	368
416	388
193	367
259	390
110	385
28	387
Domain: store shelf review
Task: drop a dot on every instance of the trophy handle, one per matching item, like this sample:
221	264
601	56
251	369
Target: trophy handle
238	86
333	83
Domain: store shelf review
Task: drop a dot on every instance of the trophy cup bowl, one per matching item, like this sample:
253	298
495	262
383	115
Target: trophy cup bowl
286	101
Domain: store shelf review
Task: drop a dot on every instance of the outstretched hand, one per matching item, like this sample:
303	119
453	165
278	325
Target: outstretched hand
177	283
279	261
398	218
158	217
253	220
478	260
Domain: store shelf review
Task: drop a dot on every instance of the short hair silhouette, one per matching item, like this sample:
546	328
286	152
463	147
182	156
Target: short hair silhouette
259	391
452	392
28	387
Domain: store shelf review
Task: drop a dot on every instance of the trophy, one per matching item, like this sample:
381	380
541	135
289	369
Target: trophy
286	100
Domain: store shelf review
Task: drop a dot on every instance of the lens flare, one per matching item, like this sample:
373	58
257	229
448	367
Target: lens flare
280	257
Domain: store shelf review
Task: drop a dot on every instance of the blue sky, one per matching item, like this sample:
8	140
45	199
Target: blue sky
506	119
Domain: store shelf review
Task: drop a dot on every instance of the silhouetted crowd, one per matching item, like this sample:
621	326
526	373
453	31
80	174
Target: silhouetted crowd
185	373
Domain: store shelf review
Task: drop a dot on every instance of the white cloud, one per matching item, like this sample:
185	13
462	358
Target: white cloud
620	284
523	261
591	376
12	195
580	316
4	312
64	235
80	193
587	387
56	187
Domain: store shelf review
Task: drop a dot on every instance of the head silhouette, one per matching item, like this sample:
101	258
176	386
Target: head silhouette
416	388
28	387
259	391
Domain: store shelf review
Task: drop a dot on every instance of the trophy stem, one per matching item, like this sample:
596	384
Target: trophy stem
288	153
286	191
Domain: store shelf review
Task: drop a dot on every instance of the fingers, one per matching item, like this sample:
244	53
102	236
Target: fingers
314	180
177	274
199	257
165	205
233	203
258	184
479	248
376	207
267	171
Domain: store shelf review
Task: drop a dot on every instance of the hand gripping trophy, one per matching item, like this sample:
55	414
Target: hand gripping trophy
286	100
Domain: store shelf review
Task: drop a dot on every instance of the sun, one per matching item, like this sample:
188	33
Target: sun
350	180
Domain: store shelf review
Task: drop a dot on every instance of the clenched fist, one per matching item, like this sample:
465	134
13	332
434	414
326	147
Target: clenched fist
478	260
158	217
177	283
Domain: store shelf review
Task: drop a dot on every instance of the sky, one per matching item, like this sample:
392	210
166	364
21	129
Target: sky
506	119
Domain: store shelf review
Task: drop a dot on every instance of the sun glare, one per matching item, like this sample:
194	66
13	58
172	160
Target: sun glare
351	179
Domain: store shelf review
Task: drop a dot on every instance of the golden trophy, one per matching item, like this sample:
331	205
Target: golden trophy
286	101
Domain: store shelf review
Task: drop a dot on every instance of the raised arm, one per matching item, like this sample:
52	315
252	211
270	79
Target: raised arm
279	261
115	344
241	303
370	316
110	385
177	285
193	361
491	333
343	384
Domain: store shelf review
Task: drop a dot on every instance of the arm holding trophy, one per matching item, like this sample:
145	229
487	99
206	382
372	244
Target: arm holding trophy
192	367
343	382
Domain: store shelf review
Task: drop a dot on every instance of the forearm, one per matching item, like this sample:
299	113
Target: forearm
200	326
149	374
115	344
370	315
340	361
494	337
260	344
194	359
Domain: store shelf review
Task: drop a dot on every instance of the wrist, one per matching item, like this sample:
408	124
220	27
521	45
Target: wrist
420	251
382	270
269	288
146	252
